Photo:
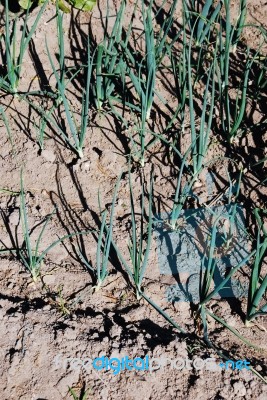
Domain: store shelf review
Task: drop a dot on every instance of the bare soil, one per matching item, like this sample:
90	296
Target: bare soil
60	315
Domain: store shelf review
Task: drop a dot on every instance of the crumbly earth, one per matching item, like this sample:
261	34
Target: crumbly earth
60	316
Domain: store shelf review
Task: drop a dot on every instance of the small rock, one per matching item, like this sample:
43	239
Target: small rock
197	184
49	155
85	166
14	218
94	336
115	331
19	345
49	279
239	389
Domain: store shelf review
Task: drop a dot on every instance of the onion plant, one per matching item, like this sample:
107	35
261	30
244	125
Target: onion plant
77	134
228	39
140	240
208	267
201	18
257	302
209	260
109	62
231	121
161	44
139	249
15	48
103	243
240	23
207	18
143	78
208	14
181	194
200	140
179	70
31	257
150	77
206	293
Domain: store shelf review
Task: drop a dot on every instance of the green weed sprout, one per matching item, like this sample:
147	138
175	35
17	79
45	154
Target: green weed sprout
103	244
14	62
83	5
83	395
258	283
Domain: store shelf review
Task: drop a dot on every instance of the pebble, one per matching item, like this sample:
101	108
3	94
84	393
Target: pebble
115	331
85	166
239	389
95	335
14	218
49	279
49	155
